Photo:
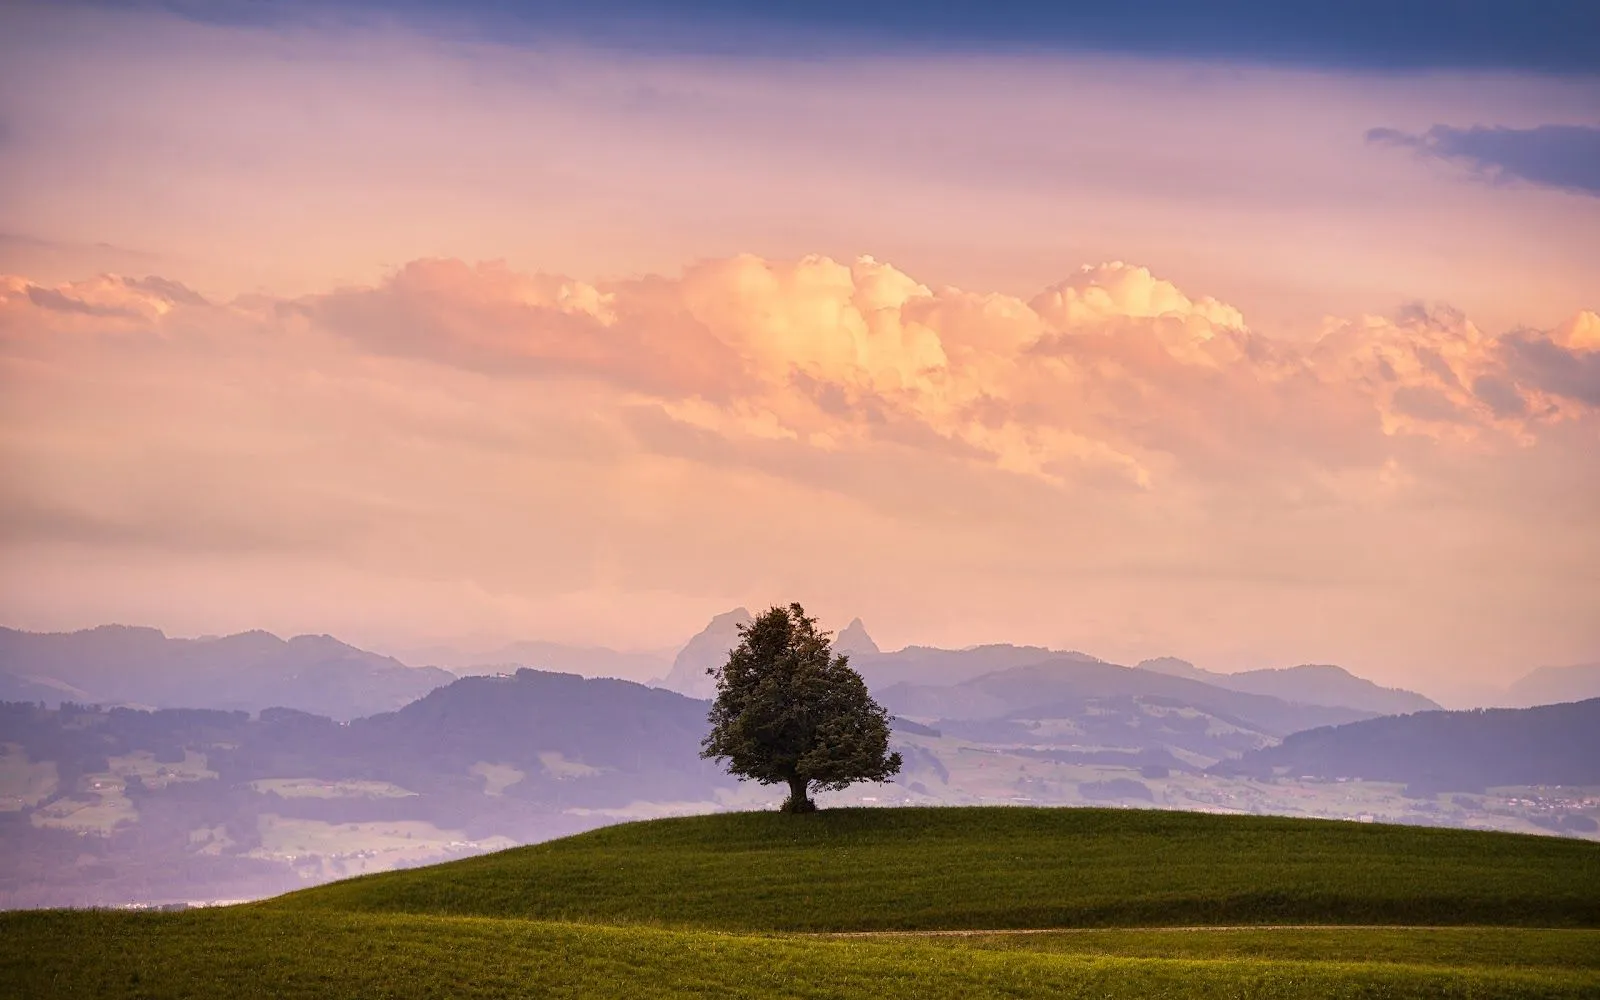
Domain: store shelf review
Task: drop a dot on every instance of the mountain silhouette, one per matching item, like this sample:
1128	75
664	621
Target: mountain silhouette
931	665
1064	685
706	651
124	665
1548	685
1308	684
855	641
1433	752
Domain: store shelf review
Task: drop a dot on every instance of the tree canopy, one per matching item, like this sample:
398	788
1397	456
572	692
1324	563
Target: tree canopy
790	710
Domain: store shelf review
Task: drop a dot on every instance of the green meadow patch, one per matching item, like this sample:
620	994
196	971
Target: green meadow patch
254	952
978	868
885	904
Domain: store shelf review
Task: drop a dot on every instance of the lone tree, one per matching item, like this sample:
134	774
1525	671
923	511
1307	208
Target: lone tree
789	710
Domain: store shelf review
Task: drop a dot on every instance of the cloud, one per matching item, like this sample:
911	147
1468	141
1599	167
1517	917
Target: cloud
1564	363
50	298
1114	444
131	302
986	171
489	318
979	441
1563	157
1112	376
1425	403
1500	394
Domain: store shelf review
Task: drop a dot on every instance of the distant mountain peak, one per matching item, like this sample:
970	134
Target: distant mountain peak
854	640
708	649
116	630
1330	669
325	643
1305	684
1553	685
1172	666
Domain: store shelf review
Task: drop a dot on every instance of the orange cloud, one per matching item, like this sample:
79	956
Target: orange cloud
1113	444
1111	371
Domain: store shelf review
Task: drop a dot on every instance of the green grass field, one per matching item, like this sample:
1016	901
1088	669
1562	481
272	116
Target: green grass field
886	903
942	868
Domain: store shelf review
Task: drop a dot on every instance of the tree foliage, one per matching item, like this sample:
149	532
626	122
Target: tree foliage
790	711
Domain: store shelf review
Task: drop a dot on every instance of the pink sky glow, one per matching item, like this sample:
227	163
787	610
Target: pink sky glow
401	339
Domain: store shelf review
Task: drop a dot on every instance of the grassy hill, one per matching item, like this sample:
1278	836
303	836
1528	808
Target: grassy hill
888	904
943	868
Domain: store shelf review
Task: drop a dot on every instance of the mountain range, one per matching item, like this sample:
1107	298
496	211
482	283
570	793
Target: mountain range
466	658
101	805
116	664
124	665
1308	684
1086	707
1442	751
1041	690
98	806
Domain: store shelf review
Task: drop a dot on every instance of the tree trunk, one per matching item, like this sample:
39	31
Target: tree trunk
798	802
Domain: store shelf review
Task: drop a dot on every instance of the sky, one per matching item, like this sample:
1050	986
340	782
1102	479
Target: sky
1258	338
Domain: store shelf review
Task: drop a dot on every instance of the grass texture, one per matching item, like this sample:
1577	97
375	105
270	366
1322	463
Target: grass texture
885	904
955	868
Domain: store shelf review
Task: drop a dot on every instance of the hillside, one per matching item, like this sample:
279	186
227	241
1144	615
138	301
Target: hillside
559	731
1307	684
1446	751
1095	705
731	906
105	807
124	805
246	952
923	869
928	665
122	665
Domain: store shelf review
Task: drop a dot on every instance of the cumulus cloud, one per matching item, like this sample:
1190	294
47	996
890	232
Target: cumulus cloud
137	300
751	425
1564	157
1500	395
1565	363
1112	371
489	318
